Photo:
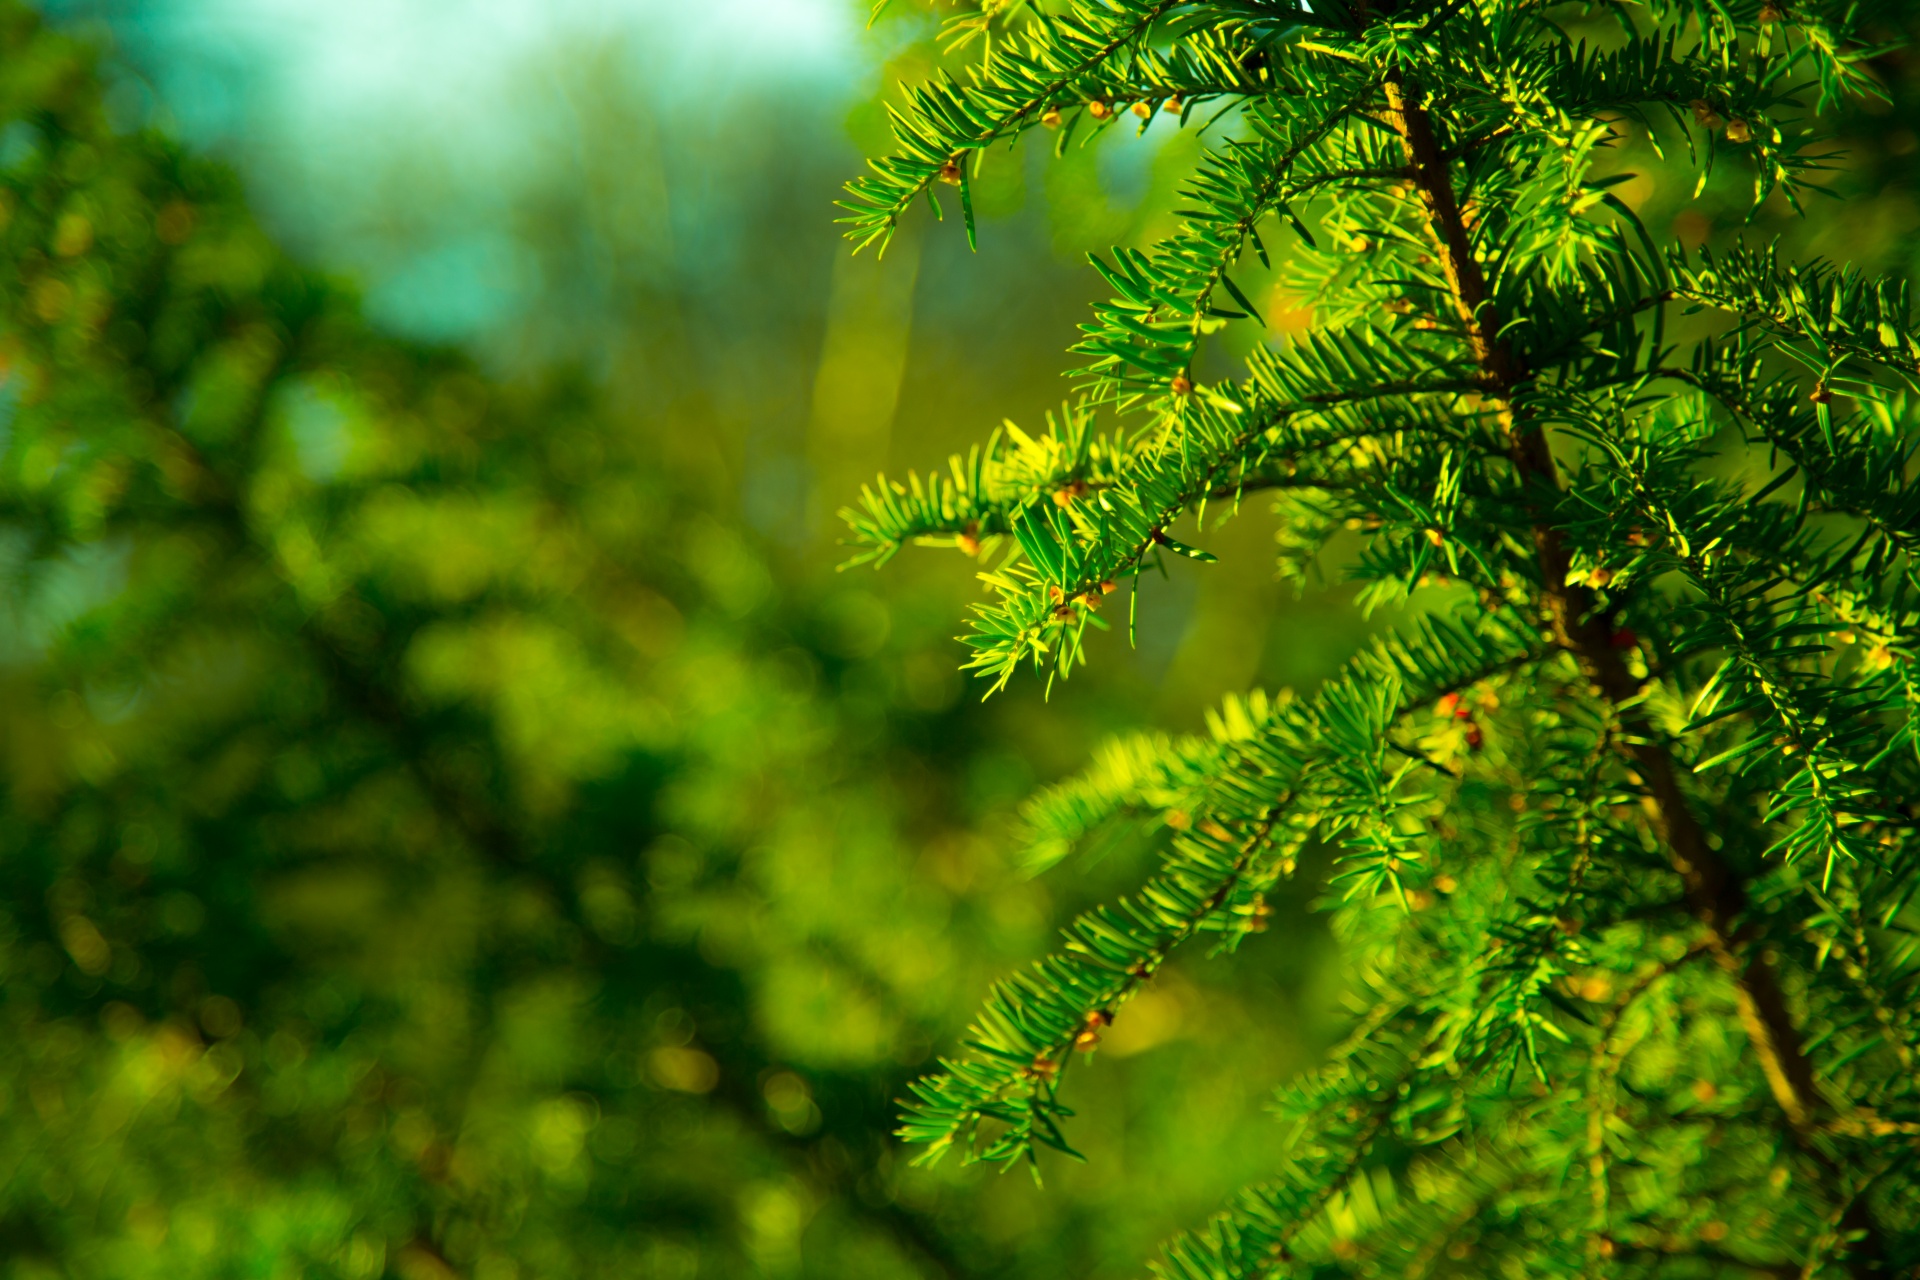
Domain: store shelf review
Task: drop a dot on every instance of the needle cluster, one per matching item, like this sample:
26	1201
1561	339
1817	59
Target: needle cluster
1619	840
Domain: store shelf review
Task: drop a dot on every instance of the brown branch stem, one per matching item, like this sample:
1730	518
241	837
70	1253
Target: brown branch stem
1714	888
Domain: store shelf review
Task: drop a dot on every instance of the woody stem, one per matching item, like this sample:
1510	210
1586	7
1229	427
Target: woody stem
1714	888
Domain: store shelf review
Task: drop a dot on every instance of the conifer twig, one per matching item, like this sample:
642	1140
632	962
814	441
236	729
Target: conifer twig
1714	887
1465	230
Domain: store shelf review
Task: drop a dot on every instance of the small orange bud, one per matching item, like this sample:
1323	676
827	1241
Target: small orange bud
1704	115
1171	106
1108	586
1821	395
1181	385
1770	13
1444	707
1099	110
1050	117
1143	109
950	172
1739	131
1178	819
1445	884
1436	538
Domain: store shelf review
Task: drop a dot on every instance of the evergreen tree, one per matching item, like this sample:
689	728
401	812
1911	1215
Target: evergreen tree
1618	832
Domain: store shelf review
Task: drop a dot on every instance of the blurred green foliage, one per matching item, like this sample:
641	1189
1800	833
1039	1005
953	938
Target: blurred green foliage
455	823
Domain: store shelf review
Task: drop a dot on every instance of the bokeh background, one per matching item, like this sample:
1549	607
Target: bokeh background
456	819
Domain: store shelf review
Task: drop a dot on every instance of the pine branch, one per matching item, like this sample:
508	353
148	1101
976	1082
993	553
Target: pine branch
1149	335
1077	540
1276	774
1032	1024
1828	320
1056	63
1715	888
1698	734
